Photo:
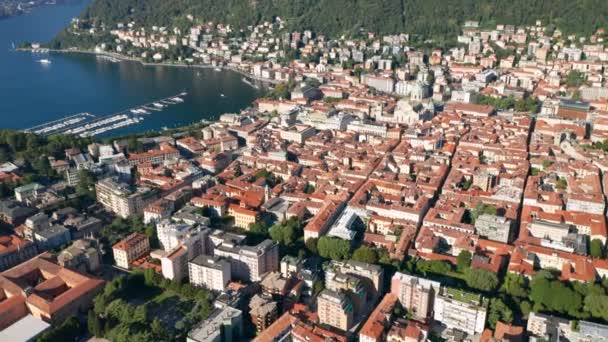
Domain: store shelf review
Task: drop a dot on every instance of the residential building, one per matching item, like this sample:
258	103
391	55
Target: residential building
264	311
249	262
460	310
165	152
372	275
211	272
158	211
374	329
52	237
172	234
223	325
120	198
28	193
495	228
129	249
335	309
416	295
14	213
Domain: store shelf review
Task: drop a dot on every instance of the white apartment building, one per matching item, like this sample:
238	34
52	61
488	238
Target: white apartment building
120	199
460	310
172	234
211	272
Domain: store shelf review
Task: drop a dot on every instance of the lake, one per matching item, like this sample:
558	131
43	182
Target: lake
32	93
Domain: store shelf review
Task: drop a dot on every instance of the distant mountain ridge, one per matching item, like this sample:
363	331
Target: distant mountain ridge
427	18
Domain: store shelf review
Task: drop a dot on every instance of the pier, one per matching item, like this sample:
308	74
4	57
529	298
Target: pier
89	125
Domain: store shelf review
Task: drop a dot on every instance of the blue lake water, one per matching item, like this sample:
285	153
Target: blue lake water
32	93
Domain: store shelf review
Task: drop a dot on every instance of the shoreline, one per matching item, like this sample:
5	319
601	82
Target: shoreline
121	57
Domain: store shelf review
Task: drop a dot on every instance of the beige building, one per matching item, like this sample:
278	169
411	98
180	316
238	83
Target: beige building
211	272
243	217
131	248
335	309
249	262
120	199
415	294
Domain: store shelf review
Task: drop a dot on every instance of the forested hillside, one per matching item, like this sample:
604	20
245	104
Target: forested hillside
429	18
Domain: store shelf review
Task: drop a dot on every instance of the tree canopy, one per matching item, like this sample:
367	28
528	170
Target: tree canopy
365	254
481	279
287	232
333	248
425	18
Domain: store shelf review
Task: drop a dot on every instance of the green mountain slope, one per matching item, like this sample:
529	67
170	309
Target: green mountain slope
429	18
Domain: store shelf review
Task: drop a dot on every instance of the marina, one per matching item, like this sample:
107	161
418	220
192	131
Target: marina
89	125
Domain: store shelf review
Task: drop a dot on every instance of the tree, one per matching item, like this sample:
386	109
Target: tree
481	279
575	79
597	306
463	261
515	285
69	330
553	295
286	232
311	245
86	183
333	248
499	311
258	228
158	331
432	266
317	287
596	248
365	254
94	324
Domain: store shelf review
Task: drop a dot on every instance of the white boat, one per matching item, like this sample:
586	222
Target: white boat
44	61
222	95
217	69
177	100
158	105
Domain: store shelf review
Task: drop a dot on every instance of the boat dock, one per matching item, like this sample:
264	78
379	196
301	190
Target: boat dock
89	125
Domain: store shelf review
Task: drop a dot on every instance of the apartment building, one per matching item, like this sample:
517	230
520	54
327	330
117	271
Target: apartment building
165	152
172	234
416	295
335	309
131	248
223	325
372	274
120	198
249	262
495	228
175	263
460	310
264	311
208	271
